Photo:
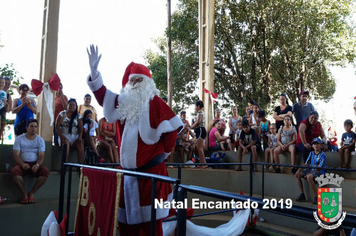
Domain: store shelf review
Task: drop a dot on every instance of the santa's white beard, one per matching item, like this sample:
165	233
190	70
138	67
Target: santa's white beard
133	100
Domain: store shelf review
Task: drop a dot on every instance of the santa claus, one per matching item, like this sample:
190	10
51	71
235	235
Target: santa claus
146	132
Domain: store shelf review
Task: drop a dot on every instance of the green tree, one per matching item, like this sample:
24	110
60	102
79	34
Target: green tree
12	73
263	48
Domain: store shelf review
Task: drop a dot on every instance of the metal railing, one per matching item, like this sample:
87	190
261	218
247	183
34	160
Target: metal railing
181	191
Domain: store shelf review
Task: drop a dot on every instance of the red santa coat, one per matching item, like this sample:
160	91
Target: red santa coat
154	133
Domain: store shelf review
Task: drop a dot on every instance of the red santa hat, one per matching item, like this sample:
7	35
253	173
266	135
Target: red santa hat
135	70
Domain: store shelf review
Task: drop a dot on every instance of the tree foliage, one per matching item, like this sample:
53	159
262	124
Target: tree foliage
262	48
12	73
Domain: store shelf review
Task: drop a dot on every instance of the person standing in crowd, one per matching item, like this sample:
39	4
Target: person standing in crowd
107	135
29	154
200	131
8	105
86	106
247	115
347	145
148	129
24	108
302	108
282	110
233	125
3	104
60	104
309	129
69	126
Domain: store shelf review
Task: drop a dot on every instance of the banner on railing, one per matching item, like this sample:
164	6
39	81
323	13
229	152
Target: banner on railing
98	202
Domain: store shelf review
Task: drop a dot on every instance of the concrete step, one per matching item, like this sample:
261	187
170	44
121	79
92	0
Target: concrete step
50	190
27	220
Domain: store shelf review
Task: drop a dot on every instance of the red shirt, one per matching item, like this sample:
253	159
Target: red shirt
58	105
315	132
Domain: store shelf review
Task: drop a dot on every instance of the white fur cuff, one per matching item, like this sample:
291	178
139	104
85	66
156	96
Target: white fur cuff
95	83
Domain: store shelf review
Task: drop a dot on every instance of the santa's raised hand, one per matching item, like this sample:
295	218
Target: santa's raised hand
94	59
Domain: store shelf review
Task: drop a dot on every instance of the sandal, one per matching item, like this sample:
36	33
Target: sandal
24	200
31	200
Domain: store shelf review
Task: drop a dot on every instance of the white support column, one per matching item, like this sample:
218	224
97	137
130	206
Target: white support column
48	64
206	56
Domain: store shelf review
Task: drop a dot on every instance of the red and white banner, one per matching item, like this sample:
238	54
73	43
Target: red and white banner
98	202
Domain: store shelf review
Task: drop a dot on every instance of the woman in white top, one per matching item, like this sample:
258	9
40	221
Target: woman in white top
69	127
233	124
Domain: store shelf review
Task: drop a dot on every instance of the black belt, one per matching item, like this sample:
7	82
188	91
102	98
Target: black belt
151	163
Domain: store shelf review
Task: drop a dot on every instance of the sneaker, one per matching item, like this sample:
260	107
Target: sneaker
294	170
315	200
277	170
301	198
101	160
238	168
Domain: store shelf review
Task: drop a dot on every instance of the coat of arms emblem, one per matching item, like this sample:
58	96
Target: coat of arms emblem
329	215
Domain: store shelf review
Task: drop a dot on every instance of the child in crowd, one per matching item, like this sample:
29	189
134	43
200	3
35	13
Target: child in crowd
254	121
287	136
90	128
184	142
3	101
265	124
237	135
316	158
332	138
272	144
347	146
247	143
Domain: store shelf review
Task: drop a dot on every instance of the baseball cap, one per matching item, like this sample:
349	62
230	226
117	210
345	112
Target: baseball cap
316	140
304	92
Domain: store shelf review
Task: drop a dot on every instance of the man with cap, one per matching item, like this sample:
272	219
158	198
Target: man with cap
146	133
316	158
302	108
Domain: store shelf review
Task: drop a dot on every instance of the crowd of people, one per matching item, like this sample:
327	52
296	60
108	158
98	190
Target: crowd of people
293	130
76	126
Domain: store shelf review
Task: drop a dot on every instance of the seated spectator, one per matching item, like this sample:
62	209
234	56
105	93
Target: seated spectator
86	106
69	126
247	142
200	132
247	115
91	132
24	108
233	125
316	158
218	117
347	145
264	125
255	121
309	129
184	142
8	105
107	135
60	104
29	153
282	110
250	105
287	135
272	144
216	141
302	108
332	138
237	135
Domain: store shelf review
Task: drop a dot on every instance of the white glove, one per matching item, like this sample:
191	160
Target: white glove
94	60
